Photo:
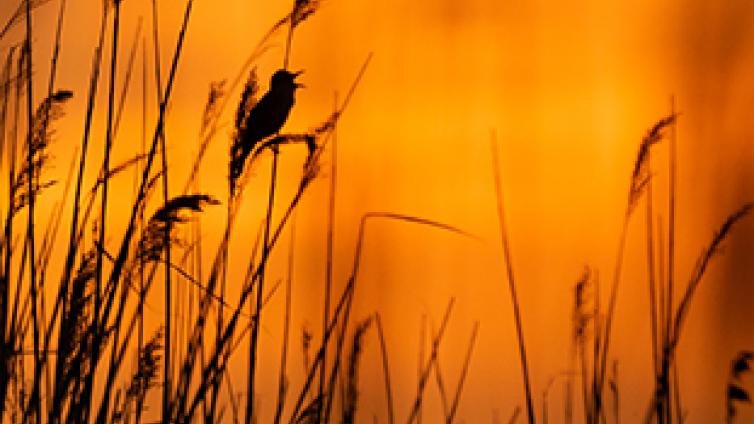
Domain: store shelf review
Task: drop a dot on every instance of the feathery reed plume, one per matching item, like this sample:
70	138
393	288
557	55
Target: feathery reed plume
310	414
302	9
74	348
641	172
582	316
147	370
736	393
42	132
248	100
306	343
212	107
352	378
161	226
240	150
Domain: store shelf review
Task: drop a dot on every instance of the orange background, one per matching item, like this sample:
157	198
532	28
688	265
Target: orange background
569	88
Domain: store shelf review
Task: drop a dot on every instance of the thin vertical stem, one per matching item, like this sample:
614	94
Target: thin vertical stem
612	301
36	400
661	259
289	39
101	321
385	370
5	278
651	272
167	377
424	374
330	244
420	364
282	378
260	289
73	246
464	372
140	306
671	241
512	283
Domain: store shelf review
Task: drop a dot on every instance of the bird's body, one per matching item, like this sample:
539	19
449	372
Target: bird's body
265	118
270	113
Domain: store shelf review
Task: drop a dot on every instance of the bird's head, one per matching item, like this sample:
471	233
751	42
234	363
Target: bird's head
283	79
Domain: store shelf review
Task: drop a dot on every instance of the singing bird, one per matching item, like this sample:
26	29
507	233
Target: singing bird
269	114
266	117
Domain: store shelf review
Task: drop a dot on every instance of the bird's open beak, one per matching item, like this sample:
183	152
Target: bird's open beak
295	75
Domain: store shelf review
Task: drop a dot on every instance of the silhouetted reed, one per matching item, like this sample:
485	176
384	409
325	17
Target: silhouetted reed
640	176
352	376
511	281
29	182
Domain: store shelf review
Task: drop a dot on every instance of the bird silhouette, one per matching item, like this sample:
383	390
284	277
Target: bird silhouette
265	118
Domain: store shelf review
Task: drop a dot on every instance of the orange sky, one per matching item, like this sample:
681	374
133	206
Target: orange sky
569	90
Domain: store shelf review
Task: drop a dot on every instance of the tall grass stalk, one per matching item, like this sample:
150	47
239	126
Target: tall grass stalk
282	377
662	388
464	373
98	318
640	178
347	296
441	384
511	282
166	379
385	370
672	165
330	244
420	363
651	272
9	153
120	259
266	248
35	399
430	362
73	245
